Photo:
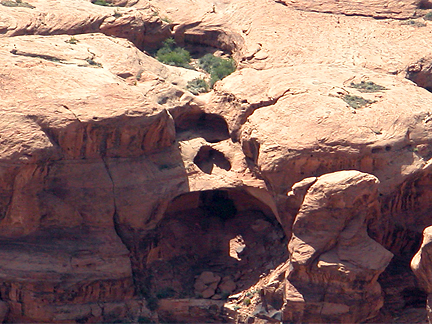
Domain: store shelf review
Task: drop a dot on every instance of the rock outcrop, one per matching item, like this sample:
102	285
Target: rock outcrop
334	265
47	17
124	197
422	267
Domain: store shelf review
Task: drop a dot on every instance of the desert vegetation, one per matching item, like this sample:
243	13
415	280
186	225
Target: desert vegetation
367	86
197	86
356	101
17	3
102	3
217	67
428	16
172	54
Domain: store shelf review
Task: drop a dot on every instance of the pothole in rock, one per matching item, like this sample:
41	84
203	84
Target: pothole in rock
209	64
208	157
213	244
212	127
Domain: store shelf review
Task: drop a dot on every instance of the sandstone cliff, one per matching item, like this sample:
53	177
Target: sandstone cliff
296	190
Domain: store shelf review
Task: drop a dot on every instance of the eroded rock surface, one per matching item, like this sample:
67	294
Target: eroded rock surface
334	265
376	9
125	197
421	266
330	245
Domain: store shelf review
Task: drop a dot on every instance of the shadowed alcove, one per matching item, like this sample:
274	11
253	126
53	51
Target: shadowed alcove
227	235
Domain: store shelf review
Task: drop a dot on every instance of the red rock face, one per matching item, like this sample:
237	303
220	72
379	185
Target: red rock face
225	232
124	197
330	244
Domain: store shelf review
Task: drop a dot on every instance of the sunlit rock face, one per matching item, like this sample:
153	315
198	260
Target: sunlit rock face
296	190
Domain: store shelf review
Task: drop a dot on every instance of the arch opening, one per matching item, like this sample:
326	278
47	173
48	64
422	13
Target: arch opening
212	244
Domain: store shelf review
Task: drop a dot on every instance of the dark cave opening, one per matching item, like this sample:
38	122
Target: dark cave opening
226	235
398	282
212	127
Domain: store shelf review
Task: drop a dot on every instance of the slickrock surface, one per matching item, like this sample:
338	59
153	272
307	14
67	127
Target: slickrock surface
273	198
374	8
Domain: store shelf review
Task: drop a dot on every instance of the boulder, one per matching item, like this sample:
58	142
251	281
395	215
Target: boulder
334	265
330	244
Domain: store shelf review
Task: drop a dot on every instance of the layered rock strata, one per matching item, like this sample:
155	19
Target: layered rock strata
334	265
125	197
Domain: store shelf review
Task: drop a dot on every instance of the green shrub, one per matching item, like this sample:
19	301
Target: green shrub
17	3
206	62
197	86
167	20
368	86
414	23
102	3
249	294
93	63
246	301
218	67
117	14
171	54
428	16
356	101
72	41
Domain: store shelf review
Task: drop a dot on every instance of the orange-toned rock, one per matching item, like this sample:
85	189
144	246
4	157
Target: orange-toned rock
49	17
334	265
374	8
119	188
422	267
330	244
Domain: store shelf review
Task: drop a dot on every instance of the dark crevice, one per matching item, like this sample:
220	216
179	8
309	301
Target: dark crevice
67	108
242	118
117	227
251	148
41	56
400	287
115	215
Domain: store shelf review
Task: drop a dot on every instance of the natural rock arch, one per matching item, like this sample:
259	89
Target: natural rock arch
225	232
